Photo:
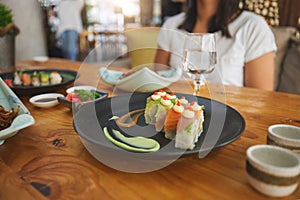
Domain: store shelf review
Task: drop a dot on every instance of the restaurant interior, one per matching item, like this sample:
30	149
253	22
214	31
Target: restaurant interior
87	132
105	34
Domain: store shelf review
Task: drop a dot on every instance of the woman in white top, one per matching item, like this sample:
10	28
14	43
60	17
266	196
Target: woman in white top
245	43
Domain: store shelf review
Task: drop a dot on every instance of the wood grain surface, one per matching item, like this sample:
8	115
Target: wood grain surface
48	160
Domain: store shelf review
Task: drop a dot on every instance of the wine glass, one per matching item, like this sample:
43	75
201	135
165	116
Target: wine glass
199	57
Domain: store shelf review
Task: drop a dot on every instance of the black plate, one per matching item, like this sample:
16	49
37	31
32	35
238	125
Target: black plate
218	131
68	76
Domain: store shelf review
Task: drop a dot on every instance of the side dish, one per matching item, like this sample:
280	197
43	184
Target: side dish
7	116
81	95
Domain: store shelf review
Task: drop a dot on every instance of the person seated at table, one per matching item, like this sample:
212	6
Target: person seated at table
245	43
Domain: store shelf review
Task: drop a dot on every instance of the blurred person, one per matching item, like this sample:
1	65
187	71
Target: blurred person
70	26
245	43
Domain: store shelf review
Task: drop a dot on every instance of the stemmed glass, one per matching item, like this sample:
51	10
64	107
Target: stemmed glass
200	57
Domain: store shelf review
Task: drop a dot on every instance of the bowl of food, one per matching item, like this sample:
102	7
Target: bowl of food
13	113
79	96
142	79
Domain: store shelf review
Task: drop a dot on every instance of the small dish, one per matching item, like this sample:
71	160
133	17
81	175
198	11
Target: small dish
272	170
45	100
75	106
141	80
40	59
284	135
8	99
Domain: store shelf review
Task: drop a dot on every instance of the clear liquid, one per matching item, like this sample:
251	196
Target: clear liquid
199	62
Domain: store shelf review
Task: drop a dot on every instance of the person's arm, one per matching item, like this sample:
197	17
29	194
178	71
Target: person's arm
259	73
161	61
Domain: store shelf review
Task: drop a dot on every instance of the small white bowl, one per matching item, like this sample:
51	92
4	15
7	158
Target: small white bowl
272	170
45	100
40	59
80	87
284	135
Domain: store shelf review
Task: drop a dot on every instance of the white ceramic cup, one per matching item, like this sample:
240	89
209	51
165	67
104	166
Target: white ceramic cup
272	170
284	135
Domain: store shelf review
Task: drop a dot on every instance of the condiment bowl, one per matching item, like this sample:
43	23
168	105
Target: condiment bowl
272	170
47	100
284	135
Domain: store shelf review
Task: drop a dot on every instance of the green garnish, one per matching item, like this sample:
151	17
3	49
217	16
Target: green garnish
189	128
85	95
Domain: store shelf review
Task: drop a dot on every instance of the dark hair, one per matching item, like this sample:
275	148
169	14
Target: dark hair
218	22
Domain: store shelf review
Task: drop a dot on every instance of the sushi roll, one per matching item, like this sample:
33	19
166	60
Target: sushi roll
25	78
172	119
17	79
35	81
44	78
199	116
55	78
151	108
187	127
162	109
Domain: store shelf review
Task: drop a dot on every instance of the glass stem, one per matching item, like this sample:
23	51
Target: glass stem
197	84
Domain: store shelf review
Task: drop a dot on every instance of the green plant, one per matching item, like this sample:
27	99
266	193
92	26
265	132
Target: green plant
6	16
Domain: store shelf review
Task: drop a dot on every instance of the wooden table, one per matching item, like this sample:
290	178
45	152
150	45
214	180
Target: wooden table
48	160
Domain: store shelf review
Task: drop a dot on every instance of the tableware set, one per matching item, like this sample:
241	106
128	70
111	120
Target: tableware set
274	168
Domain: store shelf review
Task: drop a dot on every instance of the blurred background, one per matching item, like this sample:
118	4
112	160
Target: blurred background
104	23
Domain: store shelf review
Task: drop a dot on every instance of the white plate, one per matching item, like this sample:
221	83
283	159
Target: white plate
143	80
40	59
45	100
80	87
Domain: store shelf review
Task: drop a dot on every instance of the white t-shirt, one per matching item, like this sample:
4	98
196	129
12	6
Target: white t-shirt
251	38
69	13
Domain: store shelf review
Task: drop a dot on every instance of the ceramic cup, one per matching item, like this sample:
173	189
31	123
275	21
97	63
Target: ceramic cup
272	170
284	135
